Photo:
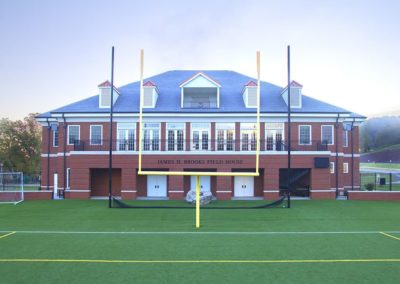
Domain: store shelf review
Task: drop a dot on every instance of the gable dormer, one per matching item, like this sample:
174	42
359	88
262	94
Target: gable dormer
105	95
295	95
150	95
200	91
250	94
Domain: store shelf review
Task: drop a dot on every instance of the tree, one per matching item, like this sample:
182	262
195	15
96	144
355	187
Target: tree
20	142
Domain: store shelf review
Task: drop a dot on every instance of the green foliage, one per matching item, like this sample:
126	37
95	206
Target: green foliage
20	142
377	133
369	186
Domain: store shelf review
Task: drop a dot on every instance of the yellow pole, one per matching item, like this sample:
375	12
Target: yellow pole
197	202
258	115
141	109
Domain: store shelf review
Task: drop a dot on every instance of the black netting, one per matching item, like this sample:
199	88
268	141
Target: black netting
280	203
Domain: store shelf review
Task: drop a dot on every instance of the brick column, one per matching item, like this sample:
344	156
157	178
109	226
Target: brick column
128	183
271	183
176	187
237	136
224	186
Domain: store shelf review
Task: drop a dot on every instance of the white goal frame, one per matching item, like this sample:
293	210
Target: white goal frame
20	185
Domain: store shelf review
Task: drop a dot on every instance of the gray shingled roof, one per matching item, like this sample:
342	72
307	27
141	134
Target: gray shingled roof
169	100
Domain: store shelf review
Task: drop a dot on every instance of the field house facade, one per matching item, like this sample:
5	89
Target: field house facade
200	121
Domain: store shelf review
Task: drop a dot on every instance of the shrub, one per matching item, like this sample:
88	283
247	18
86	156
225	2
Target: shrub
369	186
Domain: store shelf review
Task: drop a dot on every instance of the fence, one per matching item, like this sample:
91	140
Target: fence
380	181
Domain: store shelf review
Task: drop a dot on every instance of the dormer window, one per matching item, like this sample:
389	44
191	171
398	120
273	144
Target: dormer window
250	94
105	95
295	95
200	91
150	95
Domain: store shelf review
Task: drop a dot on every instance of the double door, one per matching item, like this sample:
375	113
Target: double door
275	140
157	186
205	183
244	187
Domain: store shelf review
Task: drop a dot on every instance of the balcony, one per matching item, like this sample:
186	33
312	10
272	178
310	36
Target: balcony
198	145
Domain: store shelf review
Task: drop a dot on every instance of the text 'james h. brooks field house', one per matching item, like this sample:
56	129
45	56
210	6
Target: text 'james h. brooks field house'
200	120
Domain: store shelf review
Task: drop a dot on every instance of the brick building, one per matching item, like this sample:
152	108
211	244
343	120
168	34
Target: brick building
200	121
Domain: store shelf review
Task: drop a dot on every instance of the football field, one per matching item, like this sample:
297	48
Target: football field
72	241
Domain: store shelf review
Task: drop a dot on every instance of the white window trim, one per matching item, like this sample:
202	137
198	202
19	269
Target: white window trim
282	127
299	140
126	126
347	138
151	139
54	138
332	167
184	135
333	133
208	129
101	134
68	177
345	168
225	136
79	133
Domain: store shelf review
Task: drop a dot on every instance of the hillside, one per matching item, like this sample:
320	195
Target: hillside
379	133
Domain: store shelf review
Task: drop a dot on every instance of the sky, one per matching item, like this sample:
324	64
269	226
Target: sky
53	53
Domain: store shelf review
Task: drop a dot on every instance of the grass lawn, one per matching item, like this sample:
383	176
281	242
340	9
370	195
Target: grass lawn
72	241
391	166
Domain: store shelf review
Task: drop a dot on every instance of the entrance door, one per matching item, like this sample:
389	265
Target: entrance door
205	183
156	186
244	186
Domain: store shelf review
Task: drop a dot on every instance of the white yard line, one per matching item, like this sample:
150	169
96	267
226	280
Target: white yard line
203	233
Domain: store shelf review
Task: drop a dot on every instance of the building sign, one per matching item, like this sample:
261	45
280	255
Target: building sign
200	162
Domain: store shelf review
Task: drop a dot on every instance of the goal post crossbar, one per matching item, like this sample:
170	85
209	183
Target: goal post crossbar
197	174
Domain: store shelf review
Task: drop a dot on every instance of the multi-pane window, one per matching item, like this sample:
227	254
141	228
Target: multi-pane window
200	136
96	134
175	136
73	134
345	168
248	135
225	136
345	138
55	138
126	137
305	134
151	136
274	136
327	134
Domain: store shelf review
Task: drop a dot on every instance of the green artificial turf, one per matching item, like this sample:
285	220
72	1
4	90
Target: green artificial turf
169	234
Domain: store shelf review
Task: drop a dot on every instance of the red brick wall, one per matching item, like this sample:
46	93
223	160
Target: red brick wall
81	164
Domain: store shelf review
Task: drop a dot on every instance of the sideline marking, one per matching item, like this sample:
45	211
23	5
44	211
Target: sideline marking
390	236
200	232
199	261
6	235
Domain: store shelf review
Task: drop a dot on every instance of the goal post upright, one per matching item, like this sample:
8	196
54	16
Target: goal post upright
194	173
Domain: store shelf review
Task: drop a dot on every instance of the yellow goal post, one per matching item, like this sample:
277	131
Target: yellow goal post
194	173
